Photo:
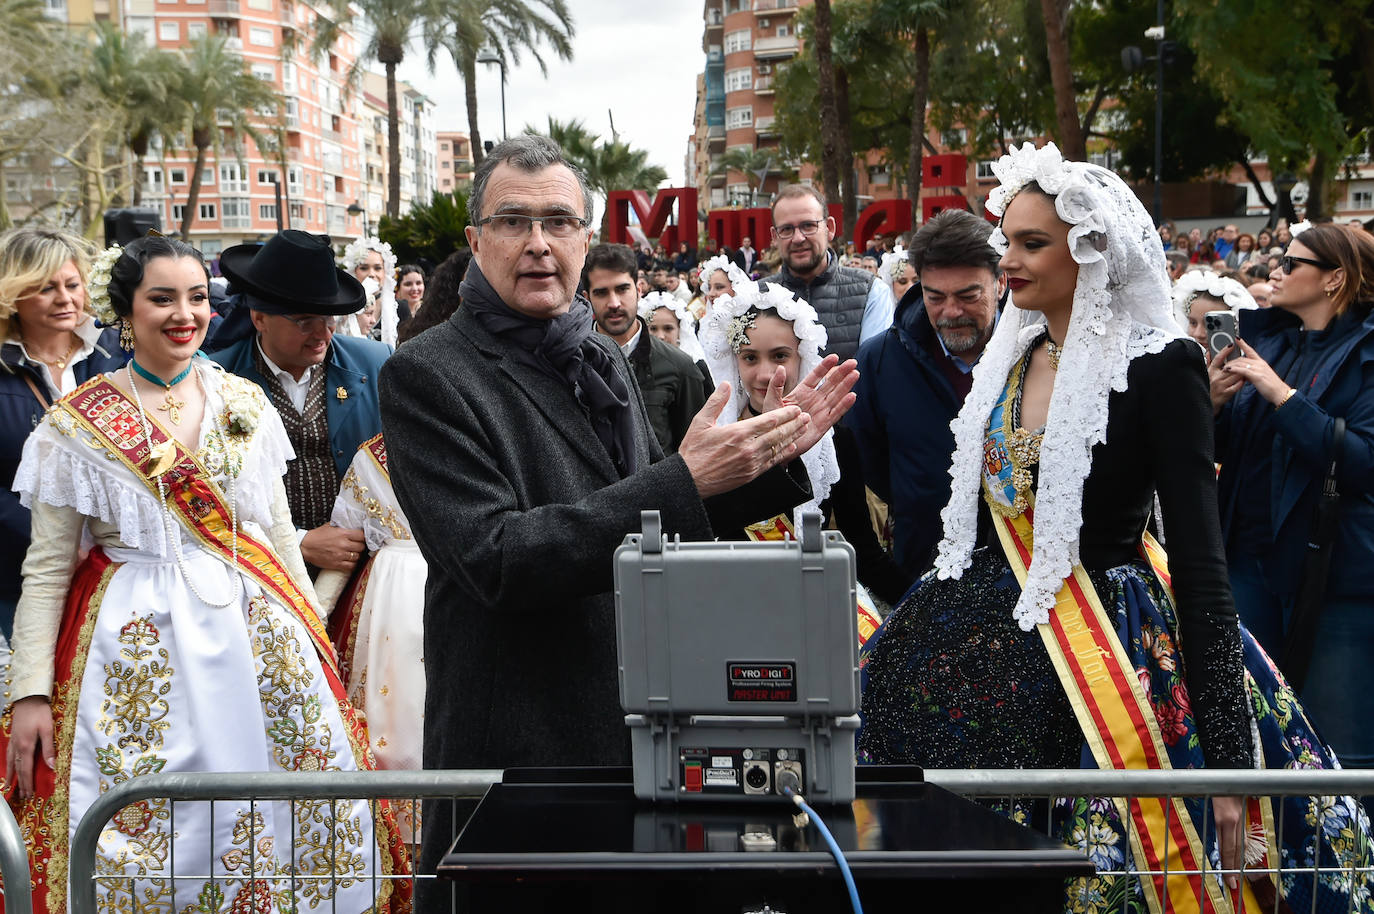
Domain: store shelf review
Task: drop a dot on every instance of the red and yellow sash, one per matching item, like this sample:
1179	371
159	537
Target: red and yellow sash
376	449
113	420
1120	727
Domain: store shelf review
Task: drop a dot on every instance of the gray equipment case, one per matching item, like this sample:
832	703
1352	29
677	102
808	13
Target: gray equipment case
738	665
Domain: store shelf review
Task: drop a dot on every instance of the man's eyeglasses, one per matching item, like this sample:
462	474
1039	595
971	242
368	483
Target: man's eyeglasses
1289	263
807	229
516	225
315	324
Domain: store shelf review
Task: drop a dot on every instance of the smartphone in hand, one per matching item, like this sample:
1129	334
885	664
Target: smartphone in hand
1221	332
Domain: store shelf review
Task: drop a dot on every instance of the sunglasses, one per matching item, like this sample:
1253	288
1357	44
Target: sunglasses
1289	263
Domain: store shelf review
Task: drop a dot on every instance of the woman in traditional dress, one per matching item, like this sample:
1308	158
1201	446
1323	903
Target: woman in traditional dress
718	277
378	624
370	258
764	341
1200	291
188	639
49	343
672	322
896	270
1049	625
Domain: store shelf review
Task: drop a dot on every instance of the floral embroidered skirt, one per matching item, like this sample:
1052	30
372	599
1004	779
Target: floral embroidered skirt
153	679
951	681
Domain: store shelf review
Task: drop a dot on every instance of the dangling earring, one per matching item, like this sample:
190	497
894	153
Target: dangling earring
126	334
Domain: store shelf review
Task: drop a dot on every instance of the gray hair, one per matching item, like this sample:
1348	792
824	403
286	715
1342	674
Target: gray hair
528	152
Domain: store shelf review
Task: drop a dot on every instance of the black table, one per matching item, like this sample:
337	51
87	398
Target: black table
533	845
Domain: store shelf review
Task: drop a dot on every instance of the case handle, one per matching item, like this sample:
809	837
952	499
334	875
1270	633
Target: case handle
651	543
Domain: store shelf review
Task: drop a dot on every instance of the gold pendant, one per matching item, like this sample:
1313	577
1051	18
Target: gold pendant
172	407
162	458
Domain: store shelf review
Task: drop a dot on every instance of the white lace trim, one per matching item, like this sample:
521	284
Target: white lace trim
69	470
1208	282
1121	311
820	461
389	318
686	324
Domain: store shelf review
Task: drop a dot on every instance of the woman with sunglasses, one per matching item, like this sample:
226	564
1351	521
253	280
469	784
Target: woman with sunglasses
1305	362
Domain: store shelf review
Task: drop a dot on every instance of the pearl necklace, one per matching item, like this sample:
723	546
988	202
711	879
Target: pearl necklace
169	526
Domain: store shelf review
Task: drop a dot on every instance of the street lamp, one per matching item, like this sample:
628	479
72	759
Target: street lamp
355	209
490	56
1132	59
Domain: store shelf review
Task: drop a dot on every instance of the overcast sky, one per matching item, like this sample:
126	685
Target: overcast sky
639	60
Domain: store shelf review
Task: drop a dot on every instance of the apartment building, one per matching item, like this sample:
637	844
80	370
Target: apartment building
455	160
419	173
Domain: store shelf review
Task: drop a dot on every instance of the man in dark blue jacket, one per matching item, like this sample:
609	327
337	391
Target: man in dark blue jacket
324	387
913	379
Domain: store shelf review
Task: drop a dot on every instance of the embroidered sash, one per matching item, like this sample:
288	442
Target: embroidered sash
1108	700
105	412
376	449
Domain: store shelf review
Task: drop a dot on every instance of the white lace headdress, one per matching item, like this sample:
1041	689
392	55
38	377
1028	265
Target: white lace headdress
892	261
1208	282
1121	309
721	330
687	324
353	255
721	262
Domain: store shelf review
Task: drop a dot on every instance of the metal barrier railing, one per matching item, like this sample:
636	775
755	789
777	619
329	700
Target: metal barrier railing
14	865
414	785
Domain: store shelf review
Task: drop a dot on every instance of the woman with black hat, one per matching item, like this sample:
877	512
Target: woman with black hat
188	639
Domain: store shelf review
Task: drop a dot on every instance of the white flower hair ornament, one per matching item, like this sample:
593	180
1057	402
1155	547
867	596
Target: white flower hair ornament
687	324
98	285
1122	309
721	262
1298	229
353	254
725	330
892	261
1208	282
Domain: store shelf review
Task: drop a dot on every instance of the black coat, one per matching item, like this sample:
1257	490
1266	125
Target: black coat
518	510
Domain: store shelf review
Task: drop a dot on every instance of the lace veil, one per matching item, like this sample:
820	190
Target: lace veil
687	324
1208	282
717	330
353	255
721	262
1121	310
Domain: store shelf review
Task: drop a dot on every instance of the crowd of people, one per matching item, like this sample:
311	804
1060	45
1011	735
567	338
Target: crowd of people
237	512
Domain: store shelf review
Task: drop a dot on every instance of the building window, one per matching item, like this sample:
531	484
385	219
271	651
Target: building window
783	31
236	213
195	30
1362	199
739	117
294	182
206	212
879	175
260	37
445	164
265	72
985	171
232	179
297	211
178	212
956	138
738	6
443	147
207	176
178	175
152	180
737	41
267	176
169	31
739	80
267	212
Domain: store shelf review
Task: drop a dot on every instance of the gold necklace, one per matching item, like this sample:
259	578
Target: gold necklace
1054	351
61	362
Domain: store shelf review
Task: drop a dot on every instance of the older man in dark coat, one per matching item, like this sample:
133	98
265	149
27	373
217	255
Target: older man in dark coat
522	455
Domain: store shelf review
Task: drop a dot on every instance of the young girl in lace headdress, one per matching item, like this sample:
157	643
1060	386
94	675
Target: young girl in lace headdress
1051	633
370	258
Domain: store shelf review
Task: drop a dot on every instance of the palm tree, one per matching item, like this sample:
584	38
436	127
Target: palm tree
607	164
389	25
505	28
136	80
754	164
220	96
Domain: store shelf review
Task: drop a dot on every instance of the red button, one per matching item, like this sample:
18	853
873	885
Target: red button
691	778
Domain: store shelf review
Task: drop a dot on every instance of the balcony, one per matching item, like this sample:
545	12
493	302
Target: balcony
715	138
766	7
764	126
775	48
224	9
763	85
332	135
234	43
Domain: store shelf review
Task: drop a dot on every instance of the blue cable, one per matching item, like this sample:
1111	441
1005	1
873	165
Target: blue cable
835	851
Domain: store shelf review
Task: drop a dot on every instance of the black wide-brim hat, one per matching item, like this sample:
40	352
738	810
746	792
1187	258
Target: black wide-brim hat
293	273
